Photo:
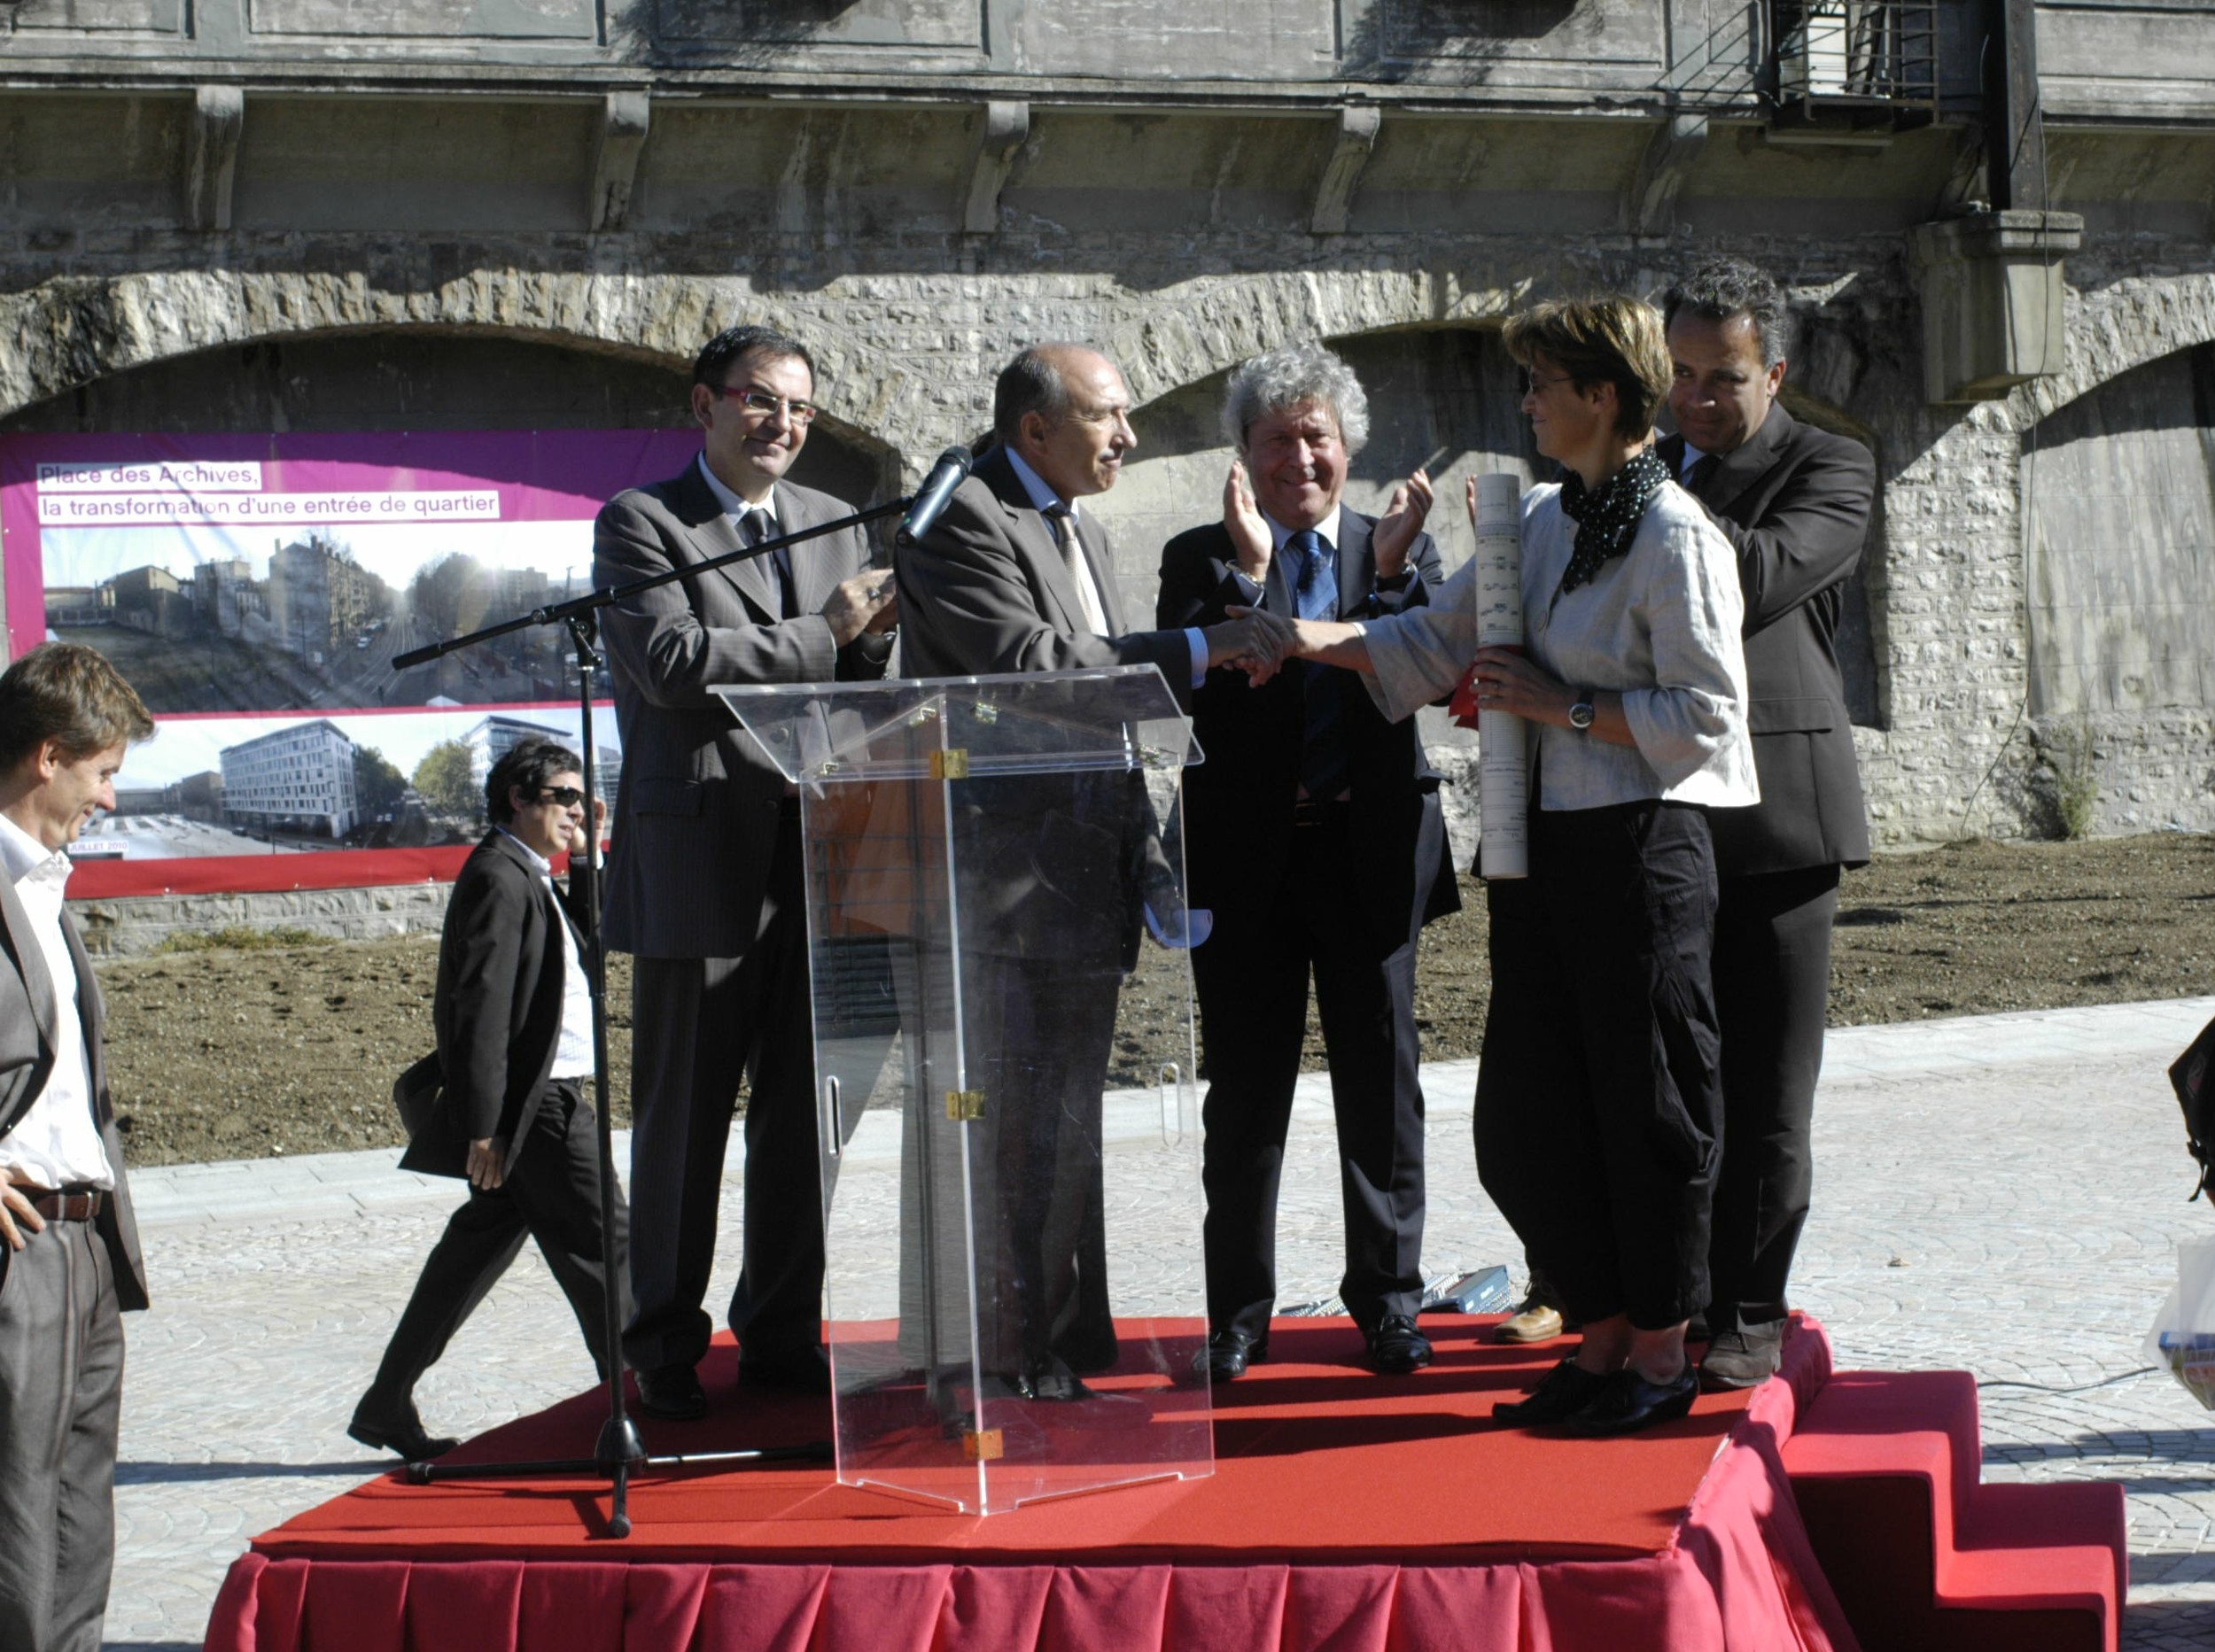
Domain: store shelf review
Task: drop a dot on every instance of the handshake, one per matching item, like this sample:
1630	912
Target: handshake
1253	642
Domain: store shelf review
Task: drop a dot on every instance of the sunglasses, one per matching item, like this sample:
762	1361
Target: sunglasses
567	797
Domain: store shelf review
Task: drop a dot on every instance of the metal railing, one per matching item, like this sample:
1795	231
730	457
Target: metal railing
1855	58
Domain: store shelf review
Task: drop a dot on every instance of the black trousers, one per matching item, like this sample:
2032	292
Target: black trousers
1772	968
1600	1098
1252	983
551	1194
698	1027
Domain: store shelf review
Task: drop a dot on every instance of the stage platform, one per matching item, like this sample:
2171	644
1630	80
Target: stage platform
1346	1511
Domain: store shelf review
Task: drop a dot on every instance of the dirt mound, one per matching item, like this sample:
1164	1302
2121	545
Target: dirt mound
229	1053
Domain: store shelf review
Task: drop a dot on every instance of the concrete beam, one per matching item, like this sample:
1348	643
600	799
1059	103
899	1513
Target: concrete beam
623	118
1649	205
1000	136
211	155
1357	127
1991	285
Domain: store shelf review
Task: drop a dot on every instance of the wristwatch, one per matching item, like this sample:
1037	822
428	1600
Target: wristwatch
1581	710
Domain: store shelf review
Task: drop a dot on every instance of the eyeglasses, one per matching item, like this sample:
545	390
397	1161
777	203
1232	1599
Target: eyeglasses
1531	383
566	796
757	400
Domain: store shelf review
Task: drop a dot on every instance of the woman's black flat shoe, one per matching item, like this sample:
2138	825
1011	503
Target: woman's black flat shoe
1560	1394
1627	1401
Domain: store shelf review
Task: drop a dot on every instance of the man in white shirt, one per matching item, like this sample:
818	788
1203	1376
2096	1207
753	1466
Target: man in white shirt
514	1019
69	1257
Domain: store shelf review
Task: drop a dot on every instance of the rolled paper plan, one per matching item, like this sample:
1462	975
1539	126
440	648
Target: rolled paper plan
1502	774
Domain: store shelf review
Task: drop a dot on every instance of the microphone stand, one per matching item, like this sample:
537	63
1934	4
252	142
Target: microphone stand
620	1452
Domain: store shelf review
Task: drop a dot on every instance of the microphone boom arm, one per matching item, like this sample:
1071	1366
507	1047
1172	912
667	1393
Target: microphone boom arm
593	602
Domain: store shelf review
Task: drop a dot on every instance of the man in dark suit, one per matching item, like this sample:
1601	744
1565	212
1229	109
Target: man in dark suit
1306	786
513	1015
1015	577
1795	502
69	1257
704	880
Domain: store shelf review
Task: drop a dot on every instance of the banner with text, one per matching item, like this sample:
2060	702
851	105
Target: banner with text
255	590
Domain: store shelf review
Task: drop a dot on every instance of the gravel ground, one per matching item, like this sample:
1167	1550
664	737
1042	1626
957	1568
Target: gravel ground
242	1054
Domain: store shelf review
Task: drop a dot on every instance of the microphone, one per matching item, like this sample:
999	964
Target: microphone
937	488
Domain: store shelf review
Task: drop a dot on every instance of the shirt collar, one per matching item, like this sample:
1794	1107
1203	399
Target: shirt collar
1042	497
22	855
1692	456
732	504
1325	530
545	866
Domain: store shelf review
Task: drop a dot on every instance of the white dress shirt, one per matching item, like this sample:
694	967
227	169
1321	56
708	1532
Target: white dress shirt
1659	624
57	1143
572	1049
1047	501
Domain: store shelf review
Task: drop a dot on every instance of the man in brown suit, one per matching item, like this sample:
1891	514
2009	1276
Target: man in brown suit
705	869
69	1257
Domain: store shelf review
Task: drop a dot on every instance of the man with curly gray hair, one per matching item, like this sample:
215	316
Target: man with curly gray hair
1313	833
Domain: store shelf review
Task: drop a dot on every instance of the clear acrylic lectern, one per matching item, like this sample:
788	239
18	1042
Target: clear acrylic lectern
1008	1115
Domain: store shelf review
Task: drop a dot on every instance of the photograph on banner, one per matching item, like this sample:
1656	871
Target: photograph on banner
257	589
215	786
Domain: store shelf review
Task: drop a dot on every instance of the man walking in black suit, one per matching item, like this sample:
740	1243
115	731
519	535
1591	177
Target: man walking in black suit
704	880
1795	501
69	1257
1314	836
513	1015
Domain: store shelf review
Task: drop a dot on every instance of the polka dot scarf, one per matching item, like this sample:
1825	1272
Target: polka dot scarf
1608	515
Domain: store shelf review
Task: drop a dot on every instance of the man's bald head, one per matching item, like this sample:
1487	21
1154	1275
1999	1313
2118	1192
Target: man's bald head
1065	409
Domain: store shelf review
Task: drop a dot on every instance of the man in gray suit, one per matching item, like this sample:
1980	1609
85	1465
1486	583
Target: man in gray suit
1015	577
705	869
69	1257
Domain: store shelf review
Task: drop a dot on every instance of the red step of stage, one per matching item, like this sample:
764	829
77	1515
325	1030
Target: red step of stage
1922	1554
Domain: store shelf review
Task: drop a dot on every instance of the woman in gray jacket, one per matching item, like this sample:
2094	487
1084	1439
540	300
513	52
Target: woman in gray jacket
1599	1110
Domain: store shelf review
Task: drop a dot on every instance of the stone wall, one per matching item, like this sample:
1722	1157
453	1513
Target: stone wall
399	223
137	926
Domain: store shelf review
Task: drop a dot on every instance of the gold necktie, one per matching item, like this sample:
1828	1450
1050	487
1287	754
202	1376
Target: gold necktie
1073	558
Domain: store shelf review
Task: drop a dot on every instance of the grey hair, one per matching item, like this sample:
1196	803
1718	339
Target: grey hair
1288	378
1725	287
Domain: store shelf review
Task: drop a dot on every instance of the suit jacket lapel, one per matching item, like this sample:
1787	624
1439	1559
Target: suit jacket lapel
1034	536
1357	565
31	960
90	1014
714	534
814	574
1741	469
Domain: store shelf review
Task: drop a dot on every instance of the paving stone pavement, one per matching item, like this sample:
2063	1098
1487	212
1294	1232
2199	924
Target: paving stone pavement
2001	1194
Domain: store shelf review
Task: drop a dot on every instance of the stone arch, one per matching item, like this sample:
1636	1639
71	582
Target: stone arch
76	331
2122	326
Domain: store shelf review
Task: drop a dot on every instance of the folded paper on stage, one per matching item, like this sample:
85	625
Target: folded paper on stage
993	866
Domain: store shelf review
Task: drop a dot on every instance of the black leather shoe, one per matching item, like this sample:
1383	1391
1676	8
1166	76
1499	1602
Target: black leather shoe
1626	1402
399	1431
1396	1347
673	1392
1744	1358
801	1372
1227	1355
1562	1393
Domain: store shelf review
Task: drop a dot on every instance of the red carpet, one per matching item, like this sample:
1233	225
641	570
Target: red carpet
1347	1511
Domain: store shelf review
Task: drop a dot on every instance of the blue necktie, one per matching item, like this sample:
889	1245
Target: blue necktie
1314	582
1315	591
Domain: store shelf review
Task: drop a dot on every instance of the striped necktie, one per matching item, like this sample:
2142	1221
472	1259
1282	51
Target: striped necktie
1080	575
